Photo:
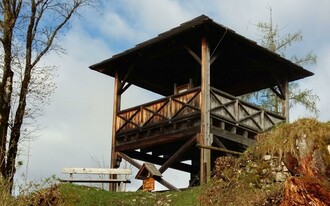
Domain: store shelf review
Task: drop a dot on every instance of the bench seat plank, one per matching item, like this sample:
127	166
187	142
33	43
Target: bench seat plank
105	171
97	180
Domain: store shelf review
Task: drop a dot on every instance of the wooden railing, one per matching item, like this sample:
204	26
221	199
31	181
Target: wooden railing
223	106
241	113
160	111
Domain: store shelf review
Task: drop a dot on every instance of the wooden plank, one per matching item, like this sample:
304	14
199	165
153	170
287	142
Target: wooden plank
96	171
158	139
231	136
96	180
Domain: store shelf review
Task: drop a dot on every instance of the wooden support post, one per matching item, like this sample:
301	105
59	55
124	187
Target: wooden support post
177	154
116	109
205	137
285	100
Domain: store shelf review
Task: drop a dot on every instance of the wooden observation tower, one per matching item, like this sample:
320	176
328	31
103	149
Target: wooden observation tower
200	68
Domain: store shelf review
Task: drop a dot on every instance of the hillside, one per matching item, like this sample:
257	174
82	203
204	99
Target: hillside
289	165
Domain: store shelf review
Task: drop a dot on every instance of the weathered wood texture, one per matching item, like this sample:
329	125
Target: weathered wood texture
103	171
223	105
242	113
205	137
160	111
138	166
96	171
115	181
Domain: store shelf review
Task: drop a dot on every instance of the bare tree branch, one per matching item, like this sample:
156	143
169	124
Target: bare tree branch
28	30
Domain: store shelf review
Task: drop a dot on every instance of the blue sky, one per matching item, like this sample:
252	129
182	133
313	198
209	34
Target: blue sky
77	125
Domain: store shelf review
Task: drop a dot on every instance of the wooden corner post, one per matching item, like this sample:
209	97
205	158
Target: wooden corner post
285	100
116	109
205	138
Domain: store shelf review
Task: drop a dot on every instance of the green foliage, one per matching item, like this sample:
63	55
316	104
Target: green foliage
48	192
82	196
272	39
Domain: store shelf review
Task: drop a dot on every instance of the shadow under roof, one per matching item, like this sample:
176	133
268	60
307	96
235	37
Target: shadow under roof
239	65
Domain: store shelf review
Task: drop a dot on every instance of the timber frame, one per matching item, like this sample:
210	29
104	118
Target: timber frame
201	68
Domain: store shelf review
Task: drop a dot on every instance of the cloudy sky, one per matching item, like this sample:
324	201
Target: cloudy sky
77	124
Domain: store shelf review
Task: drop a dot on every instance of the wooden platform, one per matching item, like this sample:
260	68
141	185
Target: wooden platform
178	117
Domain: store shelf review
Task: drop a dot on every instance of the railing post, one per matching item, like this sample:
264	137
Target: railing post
285	100
262	119
170	109
236	110
141	118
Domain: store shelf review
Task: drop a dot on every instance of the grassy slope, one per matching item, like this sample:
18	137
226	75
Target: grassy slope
247	181
77	195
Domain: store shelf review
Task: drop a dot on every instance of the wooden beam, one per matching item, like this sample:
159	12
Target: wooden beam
177	154
285	101
232	137
205	137
219	149
279	93
116	109
138	165
166	137
159	161
214	57
167	184
124	88
130	160
103	171
193	54
117	181
220	145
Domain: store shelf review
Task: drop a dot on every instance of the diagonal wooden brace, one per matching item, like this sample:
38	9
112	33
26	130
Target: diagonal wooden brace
138	165
177	154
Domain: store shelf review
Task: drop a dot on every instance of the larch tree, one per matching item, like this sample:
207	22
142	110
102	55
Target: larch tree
275	42
28	31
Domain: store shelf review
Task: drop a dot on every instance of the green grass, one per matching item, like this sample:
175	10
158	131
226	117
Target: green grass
71	194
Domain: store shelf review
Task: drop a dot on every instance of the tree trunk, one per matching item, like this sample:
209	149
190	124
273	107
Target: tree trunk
311	173
19	115
16	129
306	191
5	92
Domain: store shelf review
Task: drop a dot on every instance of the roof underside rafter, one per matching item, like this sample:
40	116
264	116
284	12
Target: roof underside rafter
238	65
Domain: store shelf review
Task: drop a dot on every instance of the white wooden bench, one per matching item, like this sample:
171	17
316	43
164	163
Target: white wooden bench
96	171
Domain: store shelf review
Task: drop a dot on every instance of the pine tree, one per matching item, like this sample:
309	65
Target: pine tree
275	42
